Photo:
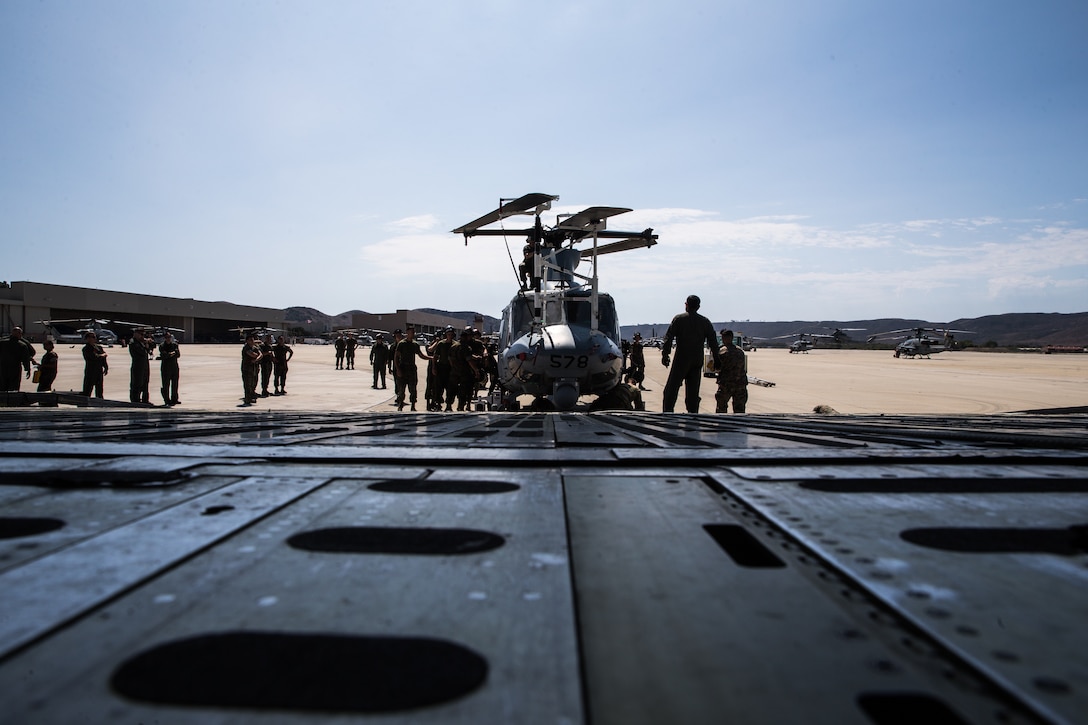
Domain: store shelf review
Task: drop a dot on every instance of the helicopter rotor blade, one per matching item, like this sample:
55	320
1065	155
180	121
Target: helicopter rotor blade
624	245
516	206
589	217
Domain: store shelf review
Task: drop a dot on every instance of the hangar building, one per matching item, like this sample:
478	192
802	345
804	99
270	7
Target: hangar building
24	304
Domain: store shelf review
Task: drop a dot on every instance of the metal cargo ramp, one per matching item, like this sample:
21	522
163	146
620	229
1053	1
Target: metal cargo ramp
492	567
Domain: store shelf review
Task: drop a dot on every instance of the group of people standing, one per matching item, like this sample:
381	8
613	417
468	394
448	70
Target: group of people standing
345	351
141	349
692	331
17	356
263	360
455	367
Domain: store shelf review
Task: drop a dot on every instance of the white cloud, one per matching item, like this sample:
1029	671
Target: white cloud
413	224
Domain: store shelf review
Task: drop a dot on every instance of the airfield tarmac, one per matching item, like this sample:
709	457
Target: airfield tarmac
861	382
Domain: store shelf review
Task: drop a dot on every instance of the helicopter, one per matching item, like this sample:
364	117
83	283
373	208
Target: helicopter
73	331
560	336
919	343
157	333
808	340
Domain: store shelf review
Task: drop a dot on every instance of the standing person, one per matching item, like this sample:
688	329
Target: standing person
340	344
251	368
140	373
281	353
267	363
16	354
442	350
404	360
95	366
638	361
349	351
732	377
47	368
691	331
465	369
379	359
169	352
398	384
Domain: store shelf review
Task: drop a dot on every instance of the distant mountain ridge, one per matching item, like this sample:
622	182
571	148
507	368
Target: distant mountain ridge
1015	328
1029	329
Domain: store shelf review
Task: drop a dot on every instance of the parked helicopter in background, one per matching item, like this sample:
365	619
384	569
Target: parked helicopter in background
809	340
74	331
919	342
157	333
560	336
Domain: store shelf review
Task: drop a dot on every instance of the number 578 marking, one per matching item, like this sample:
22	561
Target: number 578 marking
569	361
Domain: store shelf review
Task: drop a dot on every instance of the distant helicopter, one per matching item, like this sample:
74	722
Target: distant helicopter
808	340
560	336
73	331
919	343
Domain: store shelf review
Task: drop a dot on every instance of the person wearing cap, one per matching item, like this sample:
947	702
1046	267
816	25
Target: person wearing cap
732	377
379	359
442	352
691	331
638	361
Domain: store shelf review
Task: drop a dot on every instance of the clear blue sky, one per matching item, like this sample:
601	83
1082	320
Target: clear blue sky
841	159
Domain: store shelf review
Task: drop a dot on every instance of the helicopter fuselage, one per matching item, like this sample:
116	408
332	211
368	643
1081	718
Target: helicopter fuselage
563	358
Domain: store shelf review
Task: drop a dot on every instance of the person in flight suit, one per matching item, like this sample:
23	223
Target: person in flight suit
349	351
267	363
732	377
16	354
95	365
47	368
171	374
140	372
691	331
281	353
442	351
638	361
379	359
251	368
340	344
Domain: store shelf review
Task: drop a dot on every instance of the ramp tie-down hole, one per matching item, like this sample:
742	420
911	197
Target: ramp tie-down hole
392	540
897	708
1070	541
439	486
15	527
309	672
743	548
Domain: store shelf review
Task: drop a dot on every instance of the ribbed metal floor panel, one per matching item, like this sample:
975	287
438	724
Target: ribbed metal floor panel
542	568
